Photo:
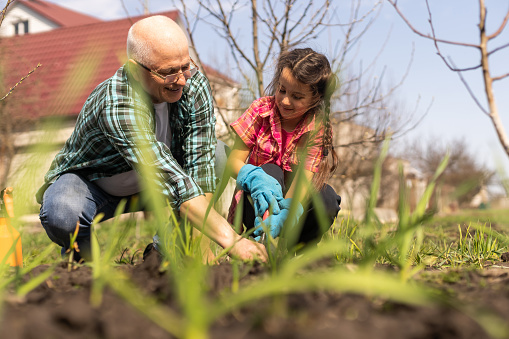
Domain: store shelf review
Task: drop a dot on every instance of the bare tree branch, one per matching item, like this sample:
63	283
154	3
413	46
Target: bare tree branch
228	34
439	52
256	51
427	36
4	11
20	81
488	79
500	77
193	46
126	12
316	23
501	28
470	92
498	49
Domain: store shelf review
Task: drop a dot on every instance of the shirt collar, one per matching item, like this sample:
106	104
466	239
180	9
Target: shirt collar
138	90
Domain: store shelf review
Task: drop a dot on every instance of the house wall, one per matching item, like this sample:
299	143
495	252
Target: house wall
353	179
18	12
35	151
349	180
227	109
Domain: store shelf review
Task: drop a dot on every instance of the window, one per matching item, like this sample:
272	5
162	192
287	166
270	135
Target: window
21	26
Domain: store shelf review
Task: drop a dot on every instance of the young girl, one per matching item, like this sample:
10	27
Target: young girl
272	135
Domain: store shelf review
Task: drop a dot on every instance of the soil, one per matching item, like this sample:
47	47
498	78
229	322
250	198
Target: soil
60	308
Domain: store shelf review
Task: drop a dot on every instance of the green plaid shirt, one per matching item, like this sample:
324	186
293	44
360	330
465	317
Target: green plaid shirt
117	122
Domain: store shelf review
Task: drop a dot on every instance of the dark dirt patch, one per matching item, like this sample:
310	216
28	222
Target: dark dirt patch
60	308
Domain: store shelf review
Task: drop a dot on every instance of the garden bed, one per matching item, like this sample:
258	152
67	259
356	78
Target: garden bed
61	308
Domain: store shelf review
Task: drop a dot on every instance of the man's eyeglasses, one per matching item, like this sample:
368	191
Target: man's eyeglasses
187	72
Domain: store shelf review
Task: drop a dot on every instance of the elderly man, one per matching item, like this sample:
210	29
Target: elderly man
155	111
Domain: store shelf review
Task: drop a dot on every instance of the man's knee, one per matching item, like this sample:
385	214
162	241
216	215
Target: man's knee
63	207
59	217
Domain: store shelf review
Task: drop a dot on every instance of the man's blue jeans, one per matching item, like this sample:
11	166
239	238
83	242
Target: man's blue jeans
72	199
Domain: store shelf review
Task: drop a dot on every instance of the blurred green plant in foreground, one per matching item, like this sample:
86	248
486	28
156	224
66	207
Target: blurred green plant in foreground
350	258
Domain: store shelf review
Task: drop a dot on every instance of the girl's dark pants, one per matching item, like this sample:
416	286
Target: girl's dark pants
311	230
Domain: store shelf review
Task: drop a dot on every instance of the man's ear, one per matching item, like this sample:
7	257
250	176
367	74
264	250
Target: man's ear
134	69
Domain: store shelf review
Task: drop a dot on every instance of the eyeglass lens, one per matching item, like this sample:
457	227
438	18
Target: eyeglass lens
186	73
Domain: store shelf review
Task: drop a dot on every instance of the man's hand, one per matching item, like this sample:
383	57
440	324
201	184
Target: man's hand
246	249
218	229
265	191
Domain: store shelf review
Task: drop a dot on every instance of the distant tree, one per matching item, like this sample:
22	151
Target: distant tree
464	172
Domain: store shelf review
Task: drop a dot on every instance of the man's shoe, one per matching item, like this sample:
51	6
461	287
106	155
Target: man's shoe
150	251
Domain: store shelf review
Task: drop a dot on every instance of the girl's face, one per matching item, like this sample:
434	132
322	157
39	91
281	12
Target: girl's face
293	99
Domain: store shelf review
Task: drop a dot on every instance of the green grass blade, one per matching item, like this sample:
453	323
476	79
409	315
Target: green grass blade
24	289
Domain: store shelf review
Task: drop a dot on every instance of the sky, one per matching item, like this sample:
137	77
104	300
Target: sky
452	112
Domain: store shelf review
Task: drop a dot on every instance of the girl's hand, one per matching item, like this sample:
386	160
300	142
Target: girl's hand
265	191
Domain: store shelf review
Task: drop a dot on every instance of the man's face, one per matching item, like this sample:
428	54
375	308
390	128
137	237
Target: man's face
171	61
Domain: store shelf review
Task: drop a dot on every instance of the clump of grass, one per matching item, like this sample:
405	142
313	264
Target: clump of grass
126	258
345	231
479	245
375	243
476	245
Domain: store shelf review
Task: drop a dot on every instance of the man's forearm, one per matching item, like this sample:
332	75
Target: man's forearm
208	196
215	226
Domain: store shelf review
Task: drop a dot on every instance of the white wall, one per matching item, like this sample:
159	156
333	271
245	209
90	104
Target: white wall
19	12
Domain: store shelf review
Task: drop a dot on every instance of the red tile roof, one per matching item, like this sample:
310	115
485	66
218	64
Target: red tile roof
59	15
74	61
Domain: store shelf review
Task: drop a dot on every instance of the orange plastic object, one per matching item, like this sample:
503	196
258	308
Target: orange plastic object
8	234
8	202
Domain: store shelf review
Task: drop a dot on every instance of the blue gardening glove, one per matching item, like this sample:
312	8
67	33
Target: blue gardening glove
264	189
276	222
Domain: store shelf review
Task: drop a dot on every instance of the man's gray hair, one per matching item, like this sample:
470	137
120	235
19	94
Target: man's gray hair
138	48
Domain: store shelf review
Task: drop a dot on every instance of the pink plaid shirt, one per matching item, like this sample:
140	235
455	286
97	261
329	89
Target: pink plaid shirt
260	129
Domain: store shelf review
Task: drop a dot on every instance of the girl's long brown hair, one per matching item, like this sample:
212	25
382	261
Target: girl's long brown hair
313	69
